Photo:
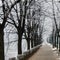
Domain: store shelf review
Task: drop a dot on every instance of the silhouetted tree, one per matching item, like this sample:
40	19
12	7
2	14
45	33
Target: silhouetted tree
5	14
19	19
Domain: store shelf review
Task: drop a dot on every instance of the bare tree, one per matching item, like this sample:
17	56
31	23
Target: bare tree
18	19
5	14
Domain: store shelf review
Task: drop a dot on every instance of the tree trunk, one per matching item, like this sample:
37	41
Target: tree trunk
19	42
59	44
1	44
35	41
28	43
55	39
31	43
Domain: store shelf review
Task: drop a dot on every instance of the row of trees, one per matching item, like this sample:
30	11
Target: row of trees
22	16
56	30
55	36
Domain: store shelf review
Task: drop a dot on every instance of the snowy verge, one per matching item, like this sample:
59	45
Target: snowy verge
26	54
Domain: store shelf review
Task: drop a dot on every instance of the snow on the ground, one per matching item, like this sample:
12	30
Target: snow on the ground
11	49
46	43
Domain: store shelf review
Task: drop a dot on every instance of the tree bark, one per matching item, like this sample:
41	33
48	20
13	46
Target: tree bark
19	42
35	40
28	42
1	43
55	39
57	42
31	43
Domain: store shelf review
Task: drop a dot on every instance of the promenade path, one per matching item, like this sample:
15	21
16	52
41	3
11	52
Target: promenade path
44	53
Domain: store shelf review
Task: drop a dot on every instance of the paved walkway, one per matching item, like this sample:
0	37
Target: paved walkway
44	53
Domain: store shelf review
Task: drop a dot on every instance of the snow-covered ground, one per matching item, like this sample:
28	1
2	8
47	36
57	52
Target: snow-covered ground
11	48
